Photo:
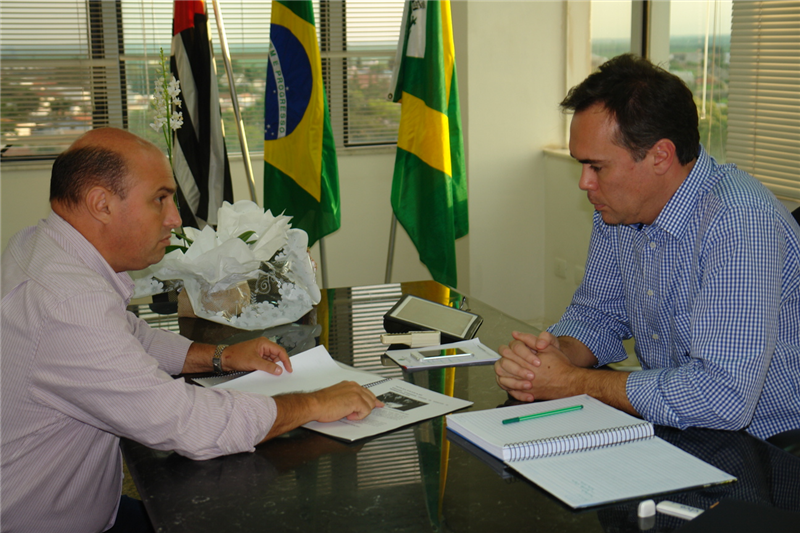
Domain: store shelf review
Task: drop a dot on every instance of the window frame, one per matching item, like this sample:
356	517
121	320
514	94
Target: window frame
108	64
776	164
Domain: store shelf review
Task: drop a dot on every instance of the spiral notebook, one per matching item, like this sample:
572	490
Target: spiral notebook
587	457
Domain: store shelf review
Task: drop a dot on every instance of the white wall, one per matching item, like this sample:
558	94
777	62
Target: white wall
24	189
514	68
510	61
569	226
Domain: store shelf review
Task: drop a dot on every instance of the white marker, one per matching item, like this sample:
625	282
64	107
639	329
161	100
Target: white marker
678	509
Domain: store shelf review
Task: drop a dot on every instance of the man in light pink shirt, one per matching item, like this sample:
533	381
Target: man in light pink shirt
79	371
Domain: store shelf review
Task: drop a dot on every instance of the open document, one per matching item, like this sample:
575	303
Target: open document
315	369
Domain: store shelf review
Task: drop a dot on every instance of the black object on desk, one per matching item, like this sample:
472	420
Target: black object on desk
412	313
737	516
413	480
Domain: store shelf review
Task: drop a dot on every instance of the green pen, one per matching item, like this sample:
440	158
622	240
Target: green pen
540	415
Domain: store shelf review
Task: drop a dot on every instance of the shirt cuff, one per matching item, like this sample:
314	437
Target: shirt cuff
254	415
644	394
599	343
170	350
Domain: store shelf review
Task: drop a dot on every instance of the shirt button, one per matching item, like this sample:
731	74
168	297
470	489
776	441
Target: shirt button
650	293
652	246
655	336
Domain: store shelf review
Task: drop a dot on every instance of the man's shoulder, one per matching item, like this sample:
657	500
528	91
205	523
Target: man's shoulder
733	195
737	188
35	257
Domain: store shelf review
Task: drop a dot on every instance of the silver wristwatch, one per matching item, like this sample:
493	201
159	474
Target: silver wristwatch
217	360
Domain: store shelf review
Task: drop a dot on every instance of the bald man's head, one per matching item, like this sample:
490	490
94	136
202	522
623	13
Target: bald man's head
118	191
95	158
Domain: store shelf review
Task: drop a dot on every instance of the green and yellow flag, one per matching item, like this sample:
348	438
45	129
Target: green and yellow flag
429	189
301	176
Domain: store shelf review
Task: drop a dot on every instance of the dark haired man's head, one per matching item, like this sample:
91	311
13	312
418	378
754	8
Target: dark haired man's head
77	170
647	102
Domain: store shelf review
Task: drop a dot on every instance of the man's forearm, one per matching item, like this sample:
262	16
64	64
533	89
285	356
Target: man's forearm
608	386
198	358
294	410
577	352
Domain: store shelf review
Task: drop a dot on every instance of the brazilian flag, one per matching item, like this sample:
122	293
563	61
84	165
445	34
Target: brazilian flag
429	187
301	176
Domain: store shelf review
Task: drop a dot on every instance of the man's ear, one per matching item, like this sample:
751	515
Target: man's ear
663	154
99	203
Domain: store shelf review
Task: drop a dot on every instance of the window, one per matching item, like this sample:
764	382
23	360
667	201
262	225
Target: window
741	59
764	112
71	65
611	30
699	53
55	82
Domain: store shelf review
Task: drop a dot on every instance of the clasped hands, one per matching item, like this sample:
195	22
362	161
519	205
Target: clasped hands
534	367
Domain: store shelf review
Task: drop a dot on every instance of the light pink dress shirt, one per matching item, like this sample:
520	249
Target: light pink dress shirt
78	372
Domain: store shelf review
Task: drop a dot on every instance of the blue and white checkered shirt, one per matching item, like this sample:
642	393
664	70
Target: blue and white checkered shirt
711	293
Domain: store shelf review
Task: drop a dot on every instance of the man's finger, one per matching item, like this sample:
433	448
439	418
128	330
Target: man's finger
272	368
507	366
520	355
521	396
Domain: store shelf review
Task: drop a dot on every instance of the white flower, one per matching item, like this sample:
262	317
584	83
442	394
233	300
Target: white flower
176	121
166	100
174	90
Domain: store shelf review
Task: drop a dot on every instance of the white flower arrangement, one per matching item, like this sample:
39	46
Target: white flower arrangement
166	101
253	272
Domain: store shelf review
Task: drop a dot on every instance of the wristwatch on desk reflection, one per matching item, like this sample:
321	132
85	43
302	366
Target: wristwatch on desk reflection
217	360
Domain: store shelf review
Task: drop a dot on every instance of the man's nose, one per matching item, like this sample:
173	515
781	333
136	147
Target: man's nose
173	218
588	180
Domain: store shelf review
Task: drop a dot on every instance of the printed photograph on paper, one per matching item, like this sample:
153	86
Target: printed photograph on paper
400	402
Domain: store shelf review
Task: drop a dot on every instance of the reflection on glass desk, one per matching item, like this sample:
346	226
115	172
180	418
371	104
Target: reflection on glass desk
414	479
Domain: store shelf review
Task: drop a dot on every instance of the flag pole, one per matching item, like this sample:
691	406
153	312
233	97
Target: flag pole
226	58
323	262
390	258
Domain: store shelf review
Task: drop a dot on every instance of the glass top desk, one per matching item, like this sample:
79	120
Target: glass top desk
414	479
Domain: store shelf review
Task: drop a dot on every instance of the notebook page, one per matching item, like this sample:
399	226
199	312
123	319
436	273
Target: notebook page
486	428
621	472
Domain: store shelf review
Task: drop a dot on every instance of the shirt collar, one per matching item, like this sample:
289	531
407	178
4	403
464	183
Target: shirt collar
674	218
79	247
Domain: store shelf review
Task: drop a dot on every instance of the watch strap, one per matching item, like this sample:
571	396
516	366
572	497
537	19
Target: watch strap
217	360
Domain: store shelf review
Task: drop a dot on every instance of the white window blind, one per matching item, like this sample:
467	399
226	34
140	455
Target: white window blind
764	100
71	65
55	81
358	68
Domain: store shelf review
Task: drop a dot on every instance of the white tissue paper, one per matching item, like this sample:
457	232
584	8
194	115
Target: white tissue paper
265	282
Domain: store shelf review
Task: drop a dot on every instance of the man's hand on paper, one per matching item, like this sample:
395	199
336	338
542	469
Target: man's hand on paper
347	399
256	354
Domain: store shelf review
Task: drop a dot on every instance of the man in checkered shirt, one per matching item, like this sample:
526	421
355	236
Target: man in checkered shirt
697	261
